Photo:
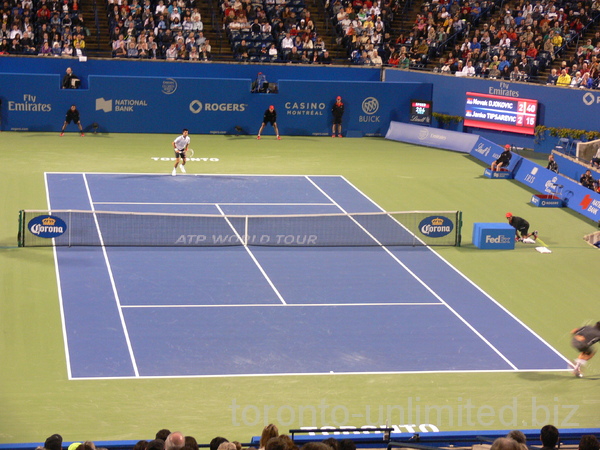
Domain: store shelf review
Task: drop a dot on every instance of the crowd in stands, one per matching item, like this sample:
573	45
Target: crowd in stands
42	27
271	440
273	31
157	30
469	38
513	42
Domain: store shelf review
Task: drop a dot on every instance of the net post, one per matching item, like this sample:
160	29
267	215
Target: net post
246	219
459	224
21	234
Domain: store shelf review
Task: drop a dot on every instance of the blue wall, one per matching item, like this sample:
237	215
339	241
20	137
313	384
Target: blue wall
558	107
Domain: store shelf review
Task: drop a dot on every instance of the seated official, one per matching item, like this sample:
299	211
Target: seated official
70	81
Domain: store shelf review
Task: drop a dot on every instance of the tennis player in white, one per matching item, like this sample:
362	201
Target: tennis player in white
180	145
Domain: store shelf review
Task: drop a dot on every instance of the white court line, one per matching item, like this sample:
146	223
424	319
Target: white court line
213	204
288	305
435	294
112	282
472	283
301	374
60	297
279	296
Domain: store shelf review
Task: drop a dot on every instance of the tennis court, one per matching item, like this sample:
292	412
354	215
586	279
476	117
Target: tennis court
264	310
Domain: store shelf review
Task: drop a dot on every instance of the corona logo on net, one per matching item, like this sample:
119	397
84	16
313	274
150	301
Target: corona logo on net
370	106
49	221
436	226
47	226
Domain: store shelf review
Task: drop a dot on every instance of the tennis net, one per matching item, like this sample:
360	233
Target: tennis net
108	228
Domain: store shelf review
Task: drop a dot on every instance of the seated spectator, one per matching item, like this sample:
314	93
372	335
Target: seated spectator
467	70
549	436
78	51
242	48
505	444
121	51
586	81
294	56
56	50
518	436
552	165
375	58
67	50
273	53
206	51
552	77
576	80
587	180
564	79
394	59
595	161
325	58
589	442
132	51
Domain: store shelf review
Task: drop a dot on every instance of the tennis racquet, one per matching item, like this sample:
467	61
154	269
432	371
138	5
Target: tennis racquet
189	153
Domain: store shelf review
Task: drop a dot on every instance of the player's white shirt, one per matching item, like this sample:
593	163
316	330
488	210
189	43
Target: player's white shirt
182	142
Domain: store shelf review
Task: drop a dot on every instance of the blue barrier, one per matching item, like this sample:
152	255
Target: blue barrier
576	197
431	137
205	105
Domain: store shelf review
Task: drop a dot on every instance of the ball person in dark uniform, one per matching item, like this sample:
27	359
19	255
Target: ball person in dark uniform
72	115
521	227
338	111
583	339
269	117
503	160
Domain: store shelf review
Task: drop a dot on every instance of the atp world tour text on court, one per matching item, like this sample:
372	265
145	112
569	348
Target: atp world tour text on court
411	416
221	239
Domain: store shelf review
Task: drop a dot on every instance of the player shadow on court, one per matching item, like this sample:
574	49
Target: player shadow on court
547	376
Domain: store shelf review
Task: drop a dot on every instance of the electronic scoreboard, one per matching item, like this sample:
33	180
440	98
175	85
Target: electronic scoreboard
495	112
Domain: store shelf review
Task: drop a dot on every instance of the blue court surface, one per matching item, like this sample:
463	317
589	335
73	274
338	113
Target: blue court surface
237	310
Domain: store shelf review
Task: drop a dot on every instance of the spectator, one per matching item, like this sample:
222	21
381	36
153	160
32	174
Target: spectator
586	81
595	161
576	80
190	443
271	430
467	71
156	444
325	58
215	442
587	180
552	165
70	80
175	440
564	78
505	444
552	77
549	436
54	442
589	442
517	435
